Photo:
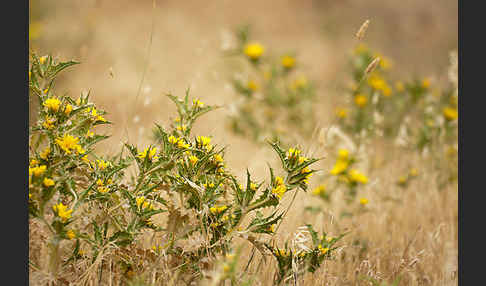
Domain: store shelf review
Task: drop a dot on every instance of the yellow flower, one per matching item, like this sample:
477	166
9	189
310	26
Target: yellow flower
182	127
217	210
360	100
271	228
343	154
151	154
302	159
89	134
450	113
253	186
254	50
288	62
99	182
102	164
252	85
197	103
339	167
48	182
280	188
293	152
402	180
85	158
42	59
103	189
62	212
33	163
193	159
37	171
363	201
68	109
49	123
140	200
70	234
329	238
67	143
341	112
413	172
44	154
204	141
320	190
304	171
52	104
323	250
218	158
426	83
94	114
356	176
399	86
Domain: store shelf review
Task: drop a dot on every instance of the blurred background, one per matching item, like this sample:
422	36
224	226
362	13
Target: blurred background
156	47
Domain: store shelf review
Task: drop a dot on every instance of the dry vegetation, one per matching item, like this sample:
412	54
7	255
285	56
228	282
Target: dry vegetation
398	211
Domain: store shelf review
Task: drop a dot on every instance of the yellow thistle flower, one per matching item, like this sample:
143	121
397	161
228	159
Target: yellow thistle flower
151	154
42	59
52	104
293	152
339	167
271	228
342	112
254	50
252	85
450	114
37	171
70	234
402	180
253	186
302	159
320	190
89	134
68	143
413	172
356	176
85	159
217	210
343	154
304	171
48	182
288	62
139	201
99	182
102	165
182	128
280	188
363	201
44	154
49	123
218	158
33	163
426	83
197	103
68	109
322	249
360	100
193	159
62	211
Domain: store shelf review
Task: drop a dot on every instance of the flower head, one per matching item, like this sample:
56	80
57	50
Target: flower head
254	50
62	211
68	143
288	62
151	154
48	182
356	176
450	113
68	109
360	100
52	104
363	201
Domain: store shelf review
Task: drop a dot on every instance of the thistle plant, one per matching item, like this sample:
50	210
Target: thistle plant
182	195
273	93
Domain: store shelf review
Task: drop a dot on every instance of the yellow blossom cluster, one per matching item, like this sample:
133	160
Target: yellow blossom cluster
280	187
217	210
62	211
68	143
